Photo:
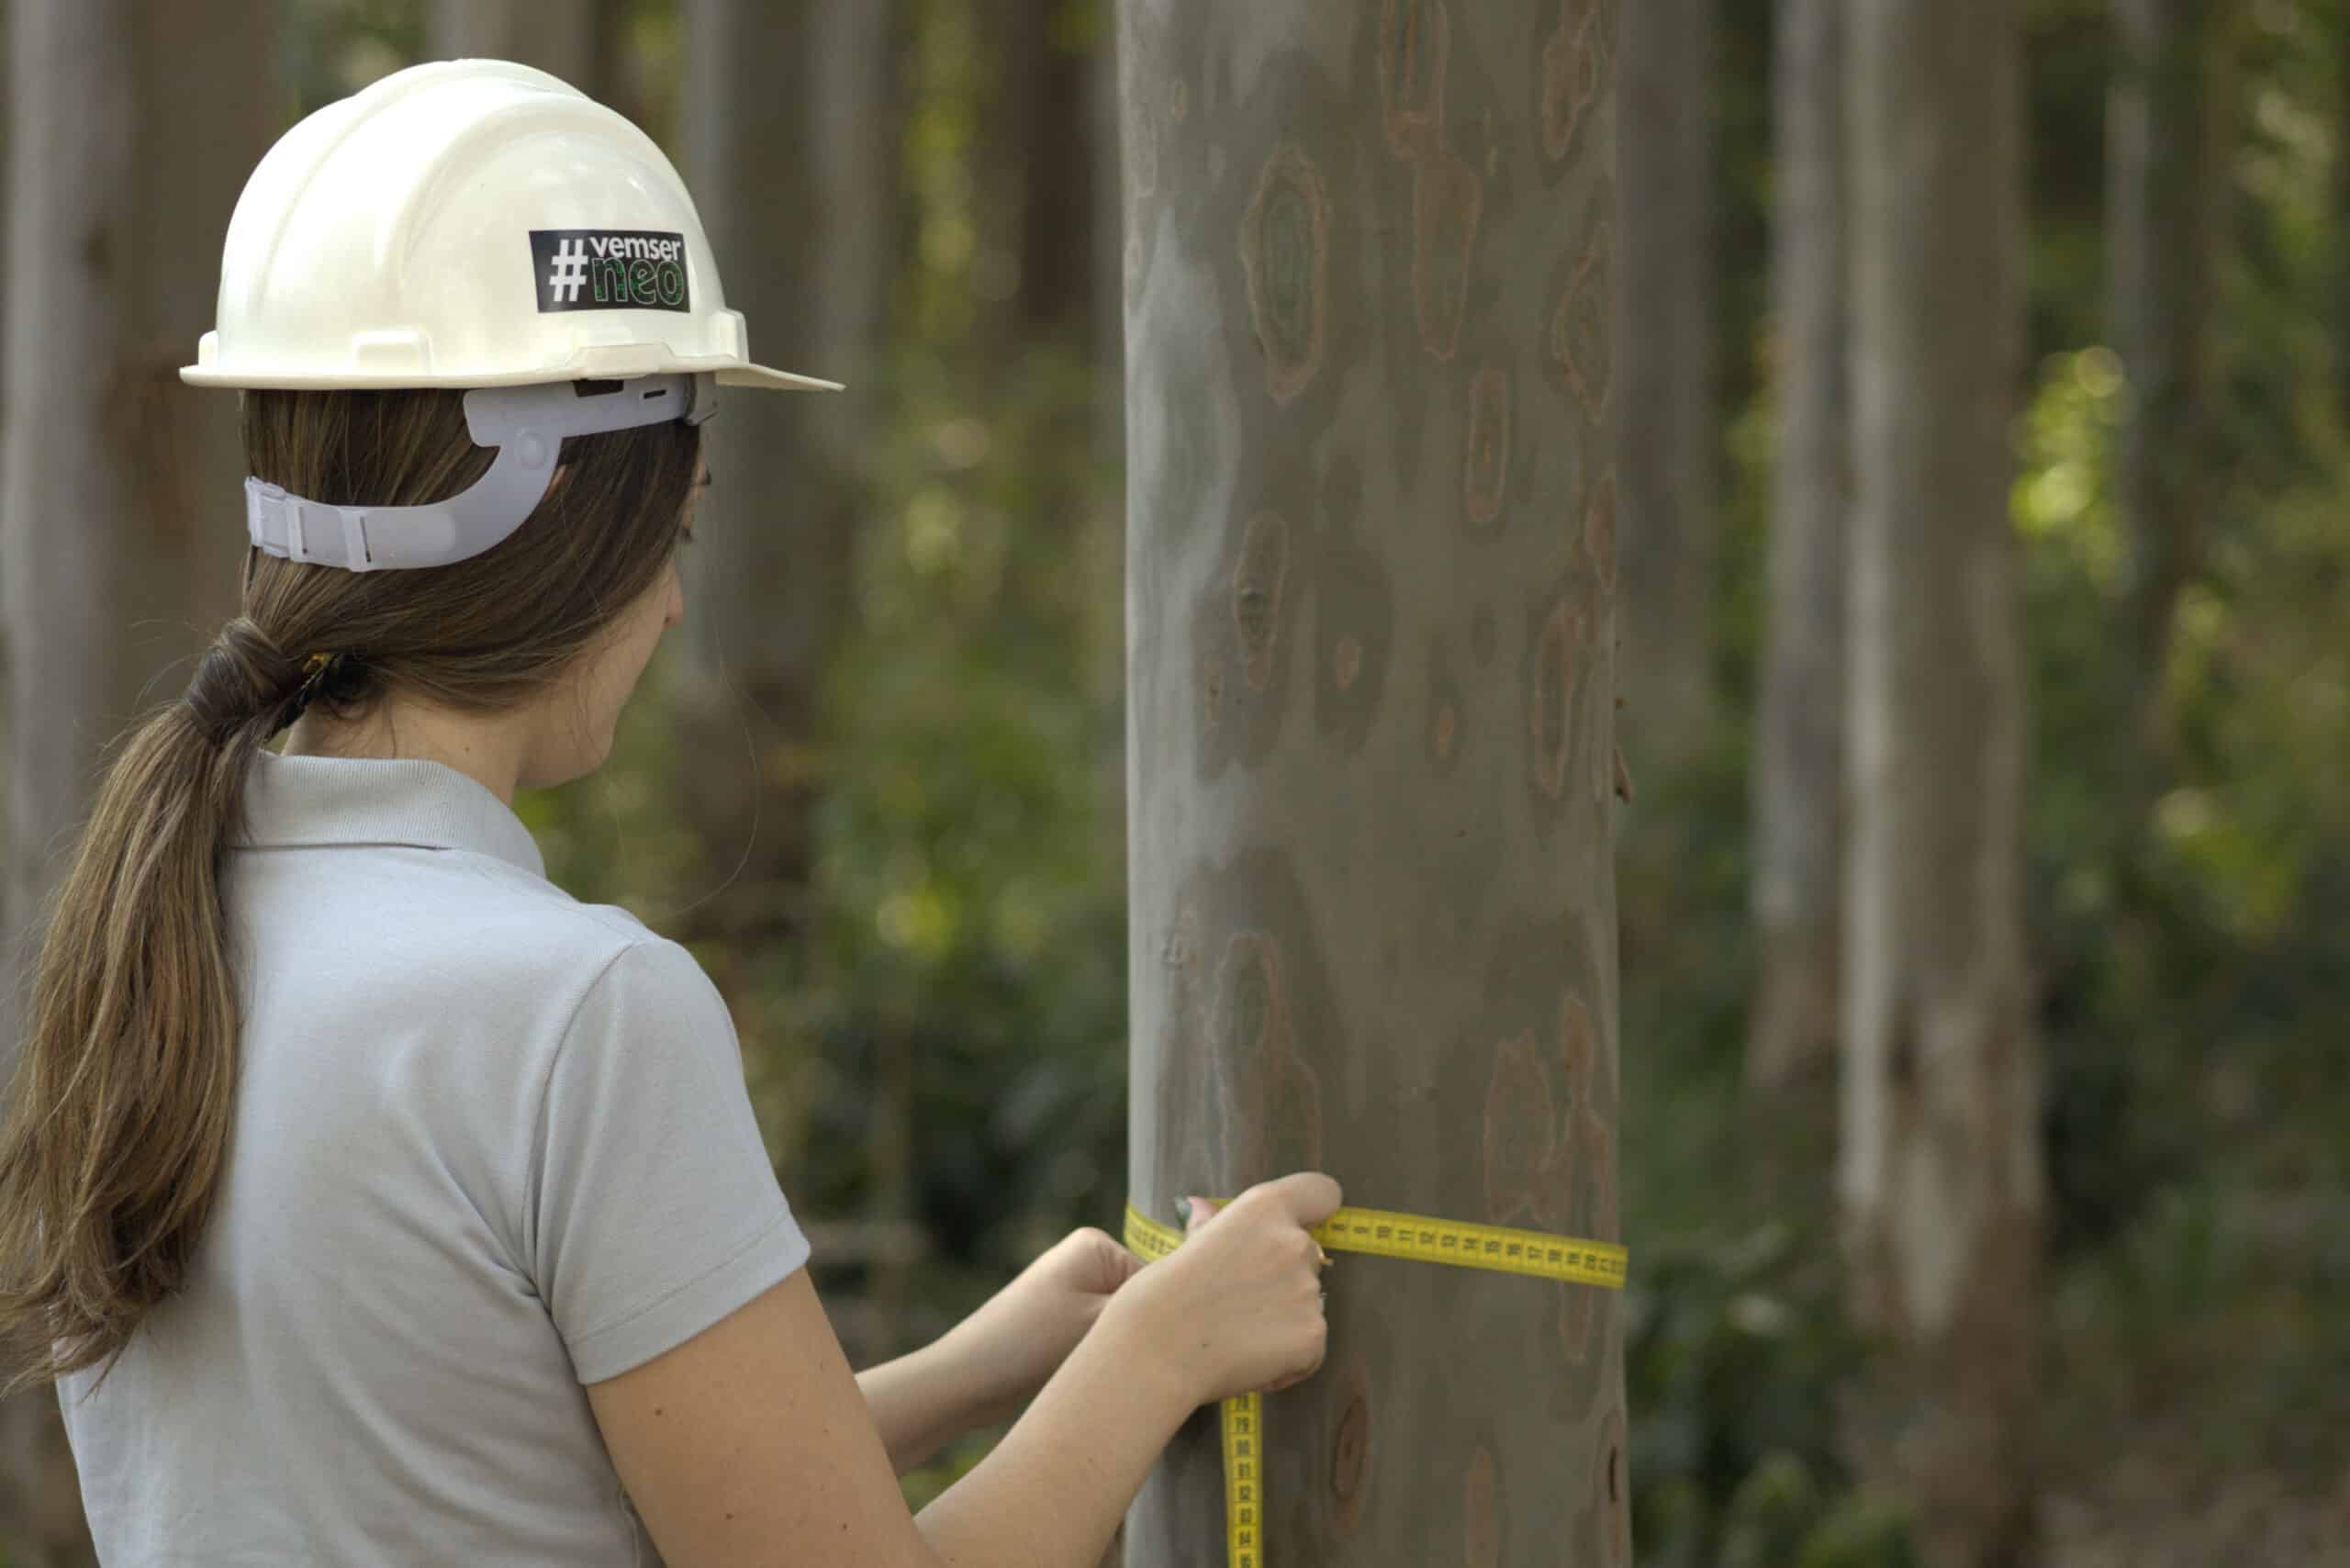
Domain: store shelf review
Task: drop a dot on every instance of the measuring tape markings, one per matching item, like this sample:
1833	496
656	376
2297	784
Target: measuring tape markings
1381	1233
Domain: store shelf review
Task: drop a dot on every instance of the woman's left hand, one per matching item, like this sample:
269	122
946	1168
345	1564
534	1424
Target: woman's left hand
1019	1338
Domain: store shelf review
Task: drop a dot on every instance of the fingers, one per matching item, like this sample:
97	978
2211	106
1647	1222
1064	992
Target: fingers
1317	1351
1309	1196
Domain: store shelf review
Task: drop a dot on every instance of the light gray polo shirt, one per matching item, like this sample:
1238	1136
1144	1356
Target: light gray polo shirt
491	1144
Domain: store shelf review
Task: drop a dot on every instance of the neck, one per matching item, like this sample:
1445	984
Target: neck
487	750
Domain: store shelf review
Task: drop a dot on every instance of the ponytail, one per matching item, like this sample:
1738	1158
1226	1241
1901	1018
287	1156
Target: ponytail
116	1130
114	1140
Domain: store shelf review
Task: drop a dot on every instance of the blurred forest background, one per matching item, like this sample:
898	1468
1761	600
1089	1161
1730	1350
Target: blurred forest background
877	784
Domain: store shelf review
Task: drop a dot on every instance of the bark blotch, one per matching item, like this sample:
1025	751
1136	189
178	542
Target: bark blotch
1346	662
1552	696
1480	1527
1520	1130
1580	340
1444	708
1488	467
1448	197
1255	1045
1570	74
1284	250
1355	610
1257	595
1611	1492
1447	194
1245	981
1413	38
1350	1447
1599	533
1211	689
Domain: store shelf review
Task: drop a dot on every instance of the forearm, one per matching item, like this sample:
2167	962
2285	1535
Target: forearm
1051	1494
922	1401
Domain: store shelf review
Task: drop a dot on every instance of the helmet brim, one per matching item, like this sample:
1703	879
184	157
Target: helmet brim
734	374
775	380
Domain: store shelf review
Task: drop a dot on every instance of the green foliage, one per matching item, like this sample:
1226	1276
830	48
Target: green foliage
1734	1349
922	1486
969	878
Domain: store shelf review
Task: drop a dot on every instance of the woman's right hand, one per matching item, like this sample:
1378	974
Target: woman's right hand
1239	1307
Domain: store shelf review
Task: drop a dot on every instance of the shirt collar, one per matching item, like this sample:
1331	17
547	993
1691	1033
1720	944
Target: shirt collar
292	800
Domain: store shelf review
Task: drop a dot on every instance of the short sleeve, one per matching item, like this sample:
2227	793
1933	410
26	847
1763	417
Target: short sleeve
655	1210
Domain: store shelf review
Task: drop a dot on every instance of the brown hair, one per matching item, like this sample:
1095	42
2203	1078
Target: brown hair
116	1131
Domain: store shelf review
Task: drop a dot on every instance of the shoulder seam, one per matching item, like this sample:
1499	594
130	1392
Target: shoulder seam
555	1056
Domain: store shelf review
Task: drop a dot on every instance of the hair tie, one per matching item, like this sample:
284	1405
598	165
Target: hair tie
316	669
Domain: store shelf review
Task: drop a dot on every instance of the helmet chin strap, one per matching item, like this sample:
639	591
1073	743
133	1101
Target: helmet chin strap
526	424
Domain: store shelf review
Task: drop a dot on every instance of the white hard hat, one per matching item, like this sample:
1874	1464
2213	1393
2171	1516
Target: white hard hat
470	223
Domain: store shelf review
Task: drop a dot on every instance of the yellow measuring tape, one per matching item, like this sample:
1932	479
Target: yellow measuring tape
1384	1234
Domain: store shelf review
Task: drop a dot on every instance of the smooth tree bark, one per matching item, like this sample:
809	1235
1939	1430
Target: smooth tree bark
121	523
1669	438
1370	713
1939	1171
1798	781
2165	174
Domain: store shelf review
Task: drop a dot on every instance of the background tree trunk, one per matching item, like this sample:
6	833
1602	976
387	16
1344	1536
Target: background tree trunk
557	36
2165	177
1800	726
122	524
1038	158
1940	1173
1370	564
789	129
789	121
1670	439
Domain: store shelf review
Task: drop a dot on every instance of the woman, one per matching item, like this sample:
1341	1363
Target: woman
371	1200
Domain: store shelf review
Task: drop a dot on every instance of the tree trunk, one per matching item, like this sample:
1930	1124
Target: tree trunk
790	128
1371	716
1669	439
2164	180
1940	1170
557	36
121	523
1800	726
1036	161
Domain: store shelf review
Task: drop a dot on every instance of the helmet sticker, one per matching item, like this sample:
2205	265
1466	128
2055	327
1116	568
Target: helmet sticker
609	269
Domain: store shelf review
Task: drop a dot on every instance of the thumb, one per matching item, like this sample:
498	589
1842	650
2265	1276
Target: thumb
1197	1212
